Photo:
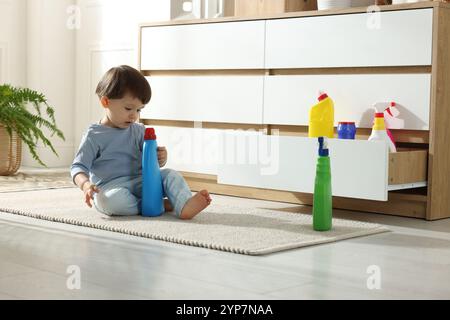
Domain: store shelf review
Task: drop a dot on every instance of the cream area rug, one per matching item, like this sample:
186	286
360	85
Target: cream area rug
37	179
244	230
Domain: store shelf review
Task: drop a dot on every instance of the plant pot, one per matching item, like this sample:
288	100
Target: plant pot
10	152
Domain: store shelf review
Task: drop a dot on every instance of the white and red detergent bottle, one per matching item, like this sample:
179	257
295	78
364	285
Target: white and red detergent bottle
391	119
379	131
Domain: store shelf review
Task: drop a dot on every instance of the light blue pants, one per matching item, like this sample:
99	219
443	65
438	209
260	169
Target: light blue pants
122	196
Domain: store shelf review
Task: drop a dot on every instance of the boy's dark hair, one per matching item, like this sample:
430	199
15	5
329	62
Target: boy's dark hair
121	80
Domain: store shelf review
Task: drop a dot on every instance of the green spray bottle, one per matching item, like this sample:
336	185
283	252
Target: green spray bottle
322	202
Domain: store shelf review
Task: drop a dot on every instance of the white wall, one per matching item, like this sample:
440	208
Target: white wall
43	47
50	70
13	42
108	36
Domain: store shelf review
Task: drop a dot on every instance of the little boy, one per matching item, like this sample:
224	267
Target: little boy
108	165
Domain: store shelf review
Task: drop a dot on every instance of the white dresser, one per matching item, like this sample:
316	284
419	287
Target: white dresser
231	99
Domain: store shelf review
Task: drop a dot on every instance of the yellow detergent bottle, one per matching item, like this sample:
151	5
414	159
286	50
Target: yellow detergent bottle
321	118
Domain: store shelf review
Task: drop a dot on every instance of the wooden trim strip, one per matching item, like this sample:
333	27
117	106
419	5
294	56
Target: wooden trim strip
199	176
352	70
205	72
294	71
398	204
204	125
439	153
400	136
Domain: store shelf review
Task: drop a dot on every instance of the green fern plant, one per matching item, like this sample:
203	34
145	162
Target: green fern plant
15	116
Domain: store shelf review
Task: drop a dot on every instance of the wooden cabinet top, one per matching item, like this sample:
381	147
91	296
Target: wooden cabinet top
403	6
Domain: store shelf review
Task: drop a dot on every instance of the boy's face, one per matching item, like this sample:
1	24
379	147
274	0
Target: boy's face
121	113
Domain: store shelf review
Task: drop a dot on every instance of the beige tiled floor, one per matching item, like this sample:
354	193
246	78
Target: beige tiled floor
414	261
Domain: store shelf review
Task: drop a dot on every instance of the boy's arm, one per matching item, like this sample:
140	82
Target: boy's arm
82	181
81	167
87	152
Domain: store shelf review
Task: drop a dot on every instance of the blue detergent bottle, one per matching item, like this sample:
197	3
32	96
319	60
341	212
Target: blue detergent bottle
152	189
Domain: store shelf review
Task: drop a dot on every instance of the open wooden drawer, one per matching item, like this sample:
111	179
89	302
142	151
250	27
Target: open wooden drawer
360	169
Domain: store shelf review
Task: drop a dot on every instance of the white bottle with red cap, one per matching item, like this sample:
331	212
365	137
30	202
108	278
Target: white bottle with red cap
379	131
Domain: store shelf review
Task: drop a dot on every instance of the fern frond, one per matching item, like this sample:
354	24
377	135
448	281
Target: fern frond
15	116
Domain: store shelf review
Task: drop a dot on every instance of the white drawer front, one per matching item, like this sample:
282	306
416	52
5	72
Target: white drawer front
401	38
235	99
287	99
359	168
232	45
195	150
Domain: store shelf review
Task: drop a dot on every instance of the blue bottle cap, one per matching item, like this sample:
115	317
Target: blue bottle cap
323	147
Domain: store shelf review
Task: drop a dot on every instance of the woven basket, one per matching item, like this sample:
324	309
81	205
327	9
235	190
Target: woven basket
10	152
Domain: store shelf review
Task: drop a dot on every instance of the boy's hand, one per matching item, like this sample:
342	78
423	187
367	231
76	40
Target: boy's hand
89	190
162	156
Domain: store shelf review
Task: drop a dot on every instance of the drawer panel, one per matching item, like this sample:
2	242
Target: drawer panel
407	166
287	99
231	45
190	149
196	150
231	99
360	168
392	38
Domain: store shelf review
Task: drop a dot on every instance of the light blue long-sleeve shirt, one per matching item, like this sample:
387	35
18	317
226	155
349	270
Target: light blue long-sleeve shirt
107	153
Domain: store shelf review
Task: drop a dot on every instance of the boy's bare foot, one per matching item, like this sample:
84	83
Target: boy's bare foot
167	205
195	205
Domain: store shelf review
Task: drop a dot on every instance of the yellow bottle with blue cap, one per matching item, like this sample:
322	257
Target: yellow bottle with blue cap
321	118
